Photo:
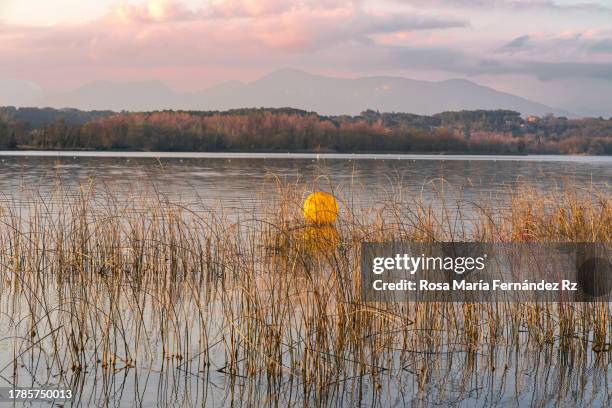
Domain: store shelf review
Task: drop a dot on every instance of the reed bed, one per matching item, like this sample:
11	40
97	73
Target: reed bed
99	289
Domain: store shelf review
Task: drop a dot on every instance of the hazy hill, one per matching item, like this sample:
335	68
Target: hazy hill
106	95
39	117
14	92
336	96
298	89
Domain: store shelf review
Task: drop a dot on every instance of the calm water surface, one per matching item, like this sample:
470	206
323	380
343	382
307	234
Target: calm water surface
541	377
240	180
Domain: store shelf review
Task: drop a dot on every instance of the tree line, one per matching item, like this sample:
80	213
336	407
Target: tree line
287	129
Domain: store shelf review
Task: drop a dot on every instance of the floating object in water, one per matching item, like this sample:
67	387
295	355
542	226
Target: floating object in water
321	208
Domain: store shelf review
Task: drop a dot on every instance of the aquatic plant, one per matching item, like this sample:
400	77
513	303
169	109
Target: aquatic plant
100	288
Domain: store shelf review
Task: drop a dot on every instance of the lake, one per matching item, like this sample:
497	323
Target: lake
241	180
184	310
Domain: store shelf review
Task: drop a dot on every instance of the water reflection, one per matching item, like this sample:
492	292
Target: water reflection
131	311
240	181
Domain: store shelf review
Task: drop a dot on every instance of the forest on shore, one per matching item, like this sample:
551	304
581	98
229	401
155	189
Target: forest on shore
294	130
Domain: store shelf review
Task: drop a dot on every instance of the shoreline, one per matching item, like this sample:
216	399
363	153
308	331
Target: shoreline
303	155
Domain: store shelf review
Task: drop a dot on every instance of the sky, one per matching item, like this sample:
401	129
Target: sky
526	47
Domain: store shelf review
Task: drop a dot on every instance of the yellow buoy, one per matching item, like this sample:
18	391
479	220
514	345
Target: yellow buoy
321	208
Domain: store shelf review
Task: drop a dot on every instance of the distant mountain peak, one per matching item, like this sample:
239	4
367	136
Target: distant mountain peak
290	87
232	84
288	74
147	83
457	81
288	71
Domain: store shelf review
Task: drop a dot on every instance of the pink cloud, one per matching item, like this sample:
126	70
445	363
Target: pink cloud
258	8
135	41
152	11
248	8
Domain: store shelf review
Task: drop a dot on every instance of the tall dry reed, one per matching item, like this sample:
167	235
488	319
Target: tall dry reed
96	284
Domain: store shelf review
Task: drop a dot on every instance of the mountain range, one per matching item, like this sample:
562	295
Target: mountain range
297	89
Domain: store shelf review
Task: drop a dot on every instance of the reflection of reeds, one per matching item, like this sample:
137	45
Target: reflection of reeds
96	286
